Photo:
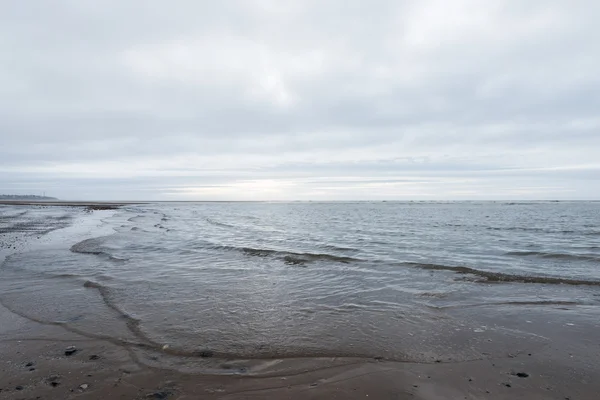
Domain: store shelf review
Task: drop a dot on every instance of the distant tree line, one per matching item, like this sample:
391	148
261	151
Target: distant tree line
24	197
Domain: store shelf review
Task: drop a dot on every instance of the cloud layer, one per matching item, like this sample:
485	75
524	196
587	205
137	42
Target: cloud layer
272	100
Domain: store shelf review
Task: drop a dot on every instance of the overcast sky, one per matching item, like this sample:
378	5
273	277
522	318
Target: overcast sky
321	100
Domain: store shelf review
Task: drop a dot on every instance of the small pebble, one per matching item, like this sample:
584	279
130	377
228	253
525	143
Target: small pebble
69	351
19	388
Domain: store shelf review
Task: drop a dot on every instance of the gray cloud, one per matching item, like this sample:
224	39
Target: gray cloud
300	100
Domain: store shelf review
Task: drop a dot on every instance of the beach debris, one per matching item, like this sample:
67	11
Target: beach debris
19	388
507	384
520	374
205	353
69	351
165	347
53	380
94	357
158	395
83	386
29	364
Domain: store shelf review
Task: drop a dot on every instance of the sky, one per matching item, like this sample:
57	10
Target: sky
300	100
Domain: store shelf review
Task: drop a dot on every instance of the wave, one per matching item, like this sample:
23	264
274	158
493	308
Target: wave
217	223
511	303
133	324
94	246
521	229
89	246
12	216
489	276
338	248
557	256
289	257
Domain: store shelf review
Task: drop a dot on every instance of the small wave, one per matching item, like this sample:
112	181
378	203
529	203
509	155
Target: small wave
291	258
132	323
488	276
511	303
68	276
338	248
557	256
12	216
534	229
217	223
94	246
89	246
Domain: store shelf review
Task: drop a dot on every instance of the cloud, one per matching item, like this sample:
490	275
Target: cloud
300	100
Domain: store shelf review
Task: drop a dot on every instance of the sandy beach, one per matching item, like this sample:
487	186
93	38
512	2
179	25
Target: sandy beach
35	365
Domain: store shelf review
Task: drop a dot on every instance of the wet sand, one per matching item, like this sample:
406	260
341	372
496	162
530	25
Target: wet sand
34	364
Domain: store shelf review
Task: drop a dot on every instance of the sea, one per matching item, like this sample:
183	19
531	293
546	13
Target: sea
239	287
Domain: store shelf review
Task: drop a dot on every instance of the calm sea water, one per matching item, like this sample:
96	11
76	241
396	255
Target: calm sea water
263	281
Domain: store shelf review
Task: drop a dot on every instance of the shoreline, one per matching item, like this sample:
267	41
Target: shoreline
91	205
540	351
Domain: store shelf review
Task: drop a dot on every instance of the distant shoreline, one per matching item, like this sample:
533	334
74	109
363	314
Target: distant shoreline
94	205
